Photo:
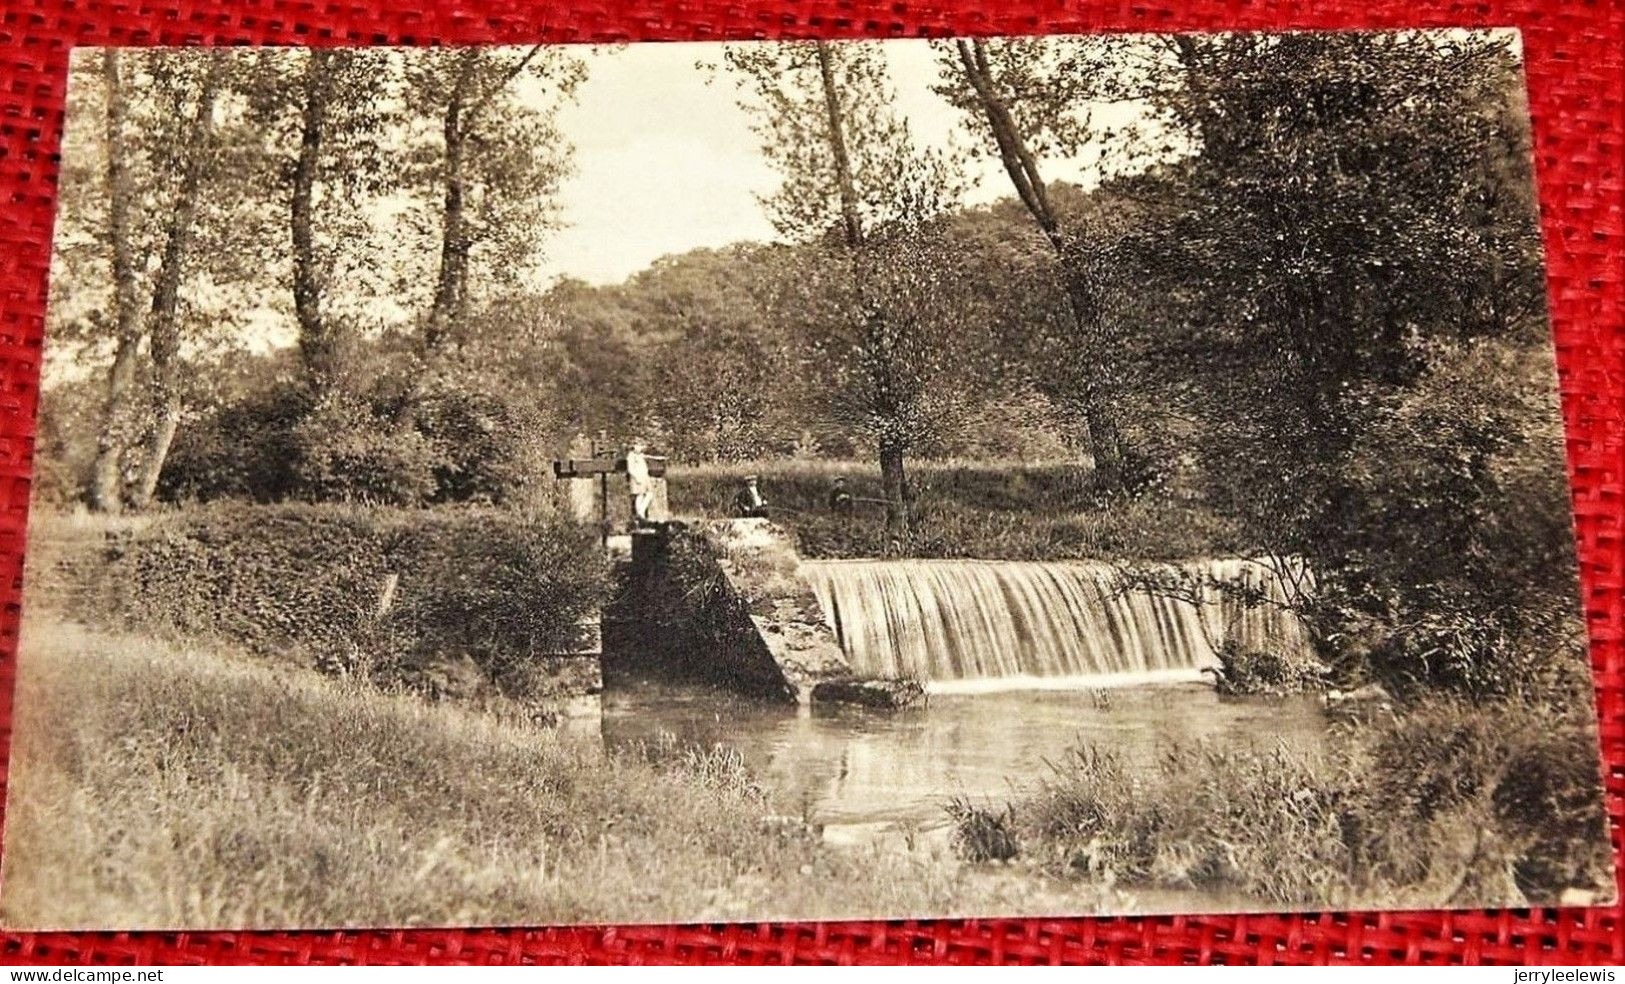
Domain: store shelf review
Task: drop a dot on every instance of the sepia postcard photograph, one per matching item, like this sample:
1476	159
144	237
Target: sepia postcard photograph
681	482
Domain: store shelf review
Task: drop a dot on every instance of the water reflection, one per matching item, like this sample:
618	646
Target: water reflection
846	767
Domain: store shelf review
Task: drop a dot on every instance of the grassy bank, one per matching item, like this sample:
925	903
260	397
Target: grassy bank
995	510
1444	805
160	785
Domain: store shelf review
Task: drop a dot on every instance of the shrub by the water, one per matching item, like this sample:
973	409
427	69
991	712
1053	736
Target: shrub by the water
395	593
983	833
1199	816
1266	672
1518	780
497	588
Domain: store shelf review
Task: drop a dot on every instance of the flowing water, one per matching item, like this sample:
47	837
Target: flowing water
974	624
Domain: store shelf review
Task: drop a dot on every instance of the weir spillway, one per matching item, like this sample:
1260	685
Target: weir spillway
965	623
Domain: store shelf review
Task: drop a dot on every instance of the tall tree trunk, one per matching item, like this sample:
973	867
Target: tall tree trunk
876	330
450	283
468	101
164	318
852	225
317	347
107	486
894	489
1095	399
1107	446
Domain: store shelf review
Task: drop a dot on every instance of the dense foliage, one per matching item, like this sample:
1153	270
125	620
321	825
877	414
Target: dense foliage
451	436
217	203
405	597
1357	326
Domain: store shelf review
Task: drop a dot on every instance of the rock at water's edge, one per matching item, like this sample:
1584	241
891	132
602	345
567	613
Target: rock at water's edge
882	694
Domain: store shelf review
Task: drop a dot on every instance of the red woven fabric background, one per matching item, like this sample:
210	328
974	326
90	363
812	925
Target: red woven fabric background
1575	54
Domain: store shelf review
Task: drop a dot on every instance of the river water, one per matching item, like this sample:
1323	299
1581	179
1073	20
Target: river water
867	775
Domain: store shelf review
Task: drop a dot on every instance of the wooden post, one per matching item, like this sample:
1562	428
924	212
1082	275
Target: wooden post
603	497
386	595
581	497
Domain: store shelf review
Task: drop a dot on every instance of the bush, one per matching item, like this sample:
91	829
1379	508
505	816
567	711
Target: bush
486	446
482	586
244	450
1448	641
982	833
345	450
273	577
1524	775
498	589
1435	514
394	440
282	443
1200	816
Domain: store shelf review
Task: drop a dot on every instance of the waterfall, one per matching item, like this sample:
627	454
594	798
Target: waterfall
974	624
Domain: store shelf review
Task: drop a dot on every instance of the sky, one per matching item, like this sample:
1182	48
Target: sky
666	161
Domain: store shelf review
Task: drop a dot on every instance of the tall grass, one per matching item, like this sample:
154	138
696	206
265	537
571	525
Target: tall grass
164	785
1449	804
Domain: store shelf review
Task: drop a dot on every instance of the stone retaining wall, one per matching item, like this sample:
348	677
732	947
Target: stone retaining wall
724	601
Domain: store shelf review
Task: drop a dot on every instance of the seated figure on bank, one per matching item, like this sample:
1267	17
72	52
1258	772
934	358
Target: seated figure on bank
749	503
